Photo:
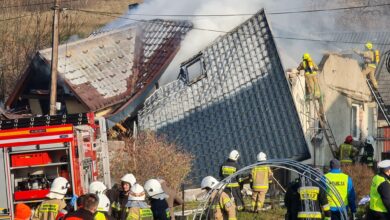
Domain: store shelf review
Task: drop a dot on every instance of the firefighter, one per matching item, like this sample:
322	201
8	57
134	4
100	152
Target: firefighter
310	69
138	208
306	200
380	193
229	167
221	204
260	177
371	59
368	152
119	210
49	209
22	212
97	188
173	198
158	202
344	186
88	209
347	151
103	208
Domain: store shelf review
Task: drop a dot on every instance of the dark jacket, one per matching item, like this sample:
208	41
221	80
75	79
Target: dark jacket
230	163
159	208
368	155
81	214
295	204
118	207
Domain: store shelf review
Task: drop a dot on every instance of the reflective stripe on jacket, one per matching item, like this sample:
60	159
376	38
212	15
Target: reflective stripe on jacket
49	209
260	177
376	203
345	153
340	183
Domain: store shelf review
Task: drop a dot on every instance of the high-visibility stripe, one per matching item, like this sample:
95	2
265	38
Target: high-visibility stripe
326	207
309	193
228	170
26	141
233	185
42	130
260	187
310	215
49	208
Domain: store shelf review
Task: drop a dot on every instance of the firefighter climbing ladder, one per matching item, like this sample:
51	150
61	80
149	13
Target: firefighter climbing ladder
320	114
378	98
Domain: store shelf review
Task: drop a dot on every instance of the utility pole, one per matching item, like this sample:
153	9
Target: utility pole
54	58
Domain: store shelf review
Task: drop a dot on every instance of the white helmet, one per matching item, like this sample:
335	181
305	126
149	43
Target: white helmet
209	182
370	140
97	187
137	193
104	203
234	155
261	157
154	189
129	178
58	188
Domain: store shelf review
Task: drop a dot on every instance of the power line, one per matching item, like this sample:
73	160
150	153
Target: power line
246	14
18	17
226	32
36	4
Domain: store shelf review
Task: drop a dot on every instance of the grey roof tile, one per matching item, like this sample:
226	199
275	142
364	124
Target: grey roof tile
244	102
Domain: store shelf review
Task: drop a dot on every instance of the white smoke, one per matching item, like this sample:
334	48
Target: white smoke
301	25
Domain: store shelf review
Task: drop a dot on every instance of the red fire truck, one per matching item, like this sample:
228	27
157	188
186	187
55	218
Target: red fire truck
34	151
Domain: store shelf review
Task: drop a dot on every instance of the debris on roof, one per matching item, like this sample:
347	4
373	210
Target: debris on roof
110	68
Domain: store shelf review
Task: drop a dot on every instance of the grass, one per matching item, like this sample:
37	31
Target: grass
22	37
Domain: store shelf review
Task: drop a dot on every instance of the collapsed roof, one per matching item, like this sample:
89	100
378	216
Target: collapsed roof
232	95
108	69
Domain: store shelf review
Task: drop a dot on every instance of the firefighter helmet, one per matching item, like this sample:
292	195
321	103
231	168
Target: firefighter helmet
97	187
234	155
370	140
261	157
306	56
58	188
369	45
209	182
348	139
104	203
154	189
129	178
137	193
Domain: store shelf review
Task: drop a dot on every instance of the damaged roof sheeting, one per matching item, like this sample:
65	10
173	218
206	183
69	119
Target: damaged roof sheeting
381	42
232	95
110	68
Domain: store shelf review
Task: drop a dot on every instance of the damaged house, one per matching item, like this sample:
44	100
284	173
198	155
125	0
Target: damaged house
233	94
110	74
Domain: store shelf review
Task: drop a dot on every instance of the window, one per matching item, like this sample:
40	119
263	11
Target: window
355	127
193	70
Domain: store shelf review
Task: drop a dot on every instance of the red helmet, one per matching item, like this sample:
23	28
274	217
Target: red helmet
348	139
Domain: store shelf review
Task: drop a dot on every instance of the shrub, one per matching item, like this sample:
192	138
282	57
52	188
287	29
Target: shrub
151	156
361	176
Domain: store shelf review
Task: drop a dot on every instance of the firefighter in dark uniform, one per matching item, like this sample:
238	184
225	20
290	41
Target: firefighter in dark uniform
118	206
305	200
233	188
368	153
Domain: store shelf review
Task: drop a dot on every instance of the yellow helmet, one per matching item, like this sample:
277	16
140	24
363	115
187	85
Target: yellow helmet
306	56
369	45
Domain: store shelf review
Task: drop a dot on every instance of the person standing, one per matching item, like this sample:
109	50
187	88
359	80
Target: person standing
49	209
344	186
221	205
368	152
158	200
173	198
119	210
260	177
380	193
229	167
138	209
87	210
311	80
347	151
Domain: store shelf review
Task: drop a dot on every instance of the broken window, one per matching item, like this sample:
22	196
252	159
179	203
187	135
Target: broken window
193	70
355	132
